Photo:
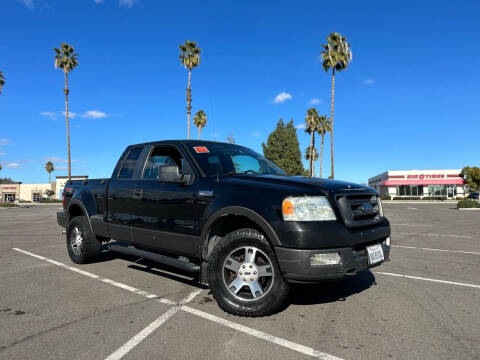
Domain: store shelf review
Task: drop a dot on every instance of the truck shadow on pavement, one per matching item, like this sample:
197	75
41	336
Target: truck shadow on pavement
333	291
302	294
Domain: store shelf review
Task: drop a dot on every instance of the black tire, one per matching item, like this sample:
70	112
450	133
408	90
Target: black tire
270	301
90	247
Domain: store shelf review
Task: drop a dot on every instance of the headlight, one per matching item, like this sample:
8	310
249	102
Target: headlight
307	208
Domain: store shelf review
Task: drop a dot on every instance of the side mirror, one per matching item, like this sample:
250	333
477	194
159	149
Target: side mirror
171	174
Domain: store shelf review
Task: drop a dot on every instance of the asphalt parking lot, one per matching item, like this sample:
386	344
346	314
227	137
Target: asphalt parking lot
423	304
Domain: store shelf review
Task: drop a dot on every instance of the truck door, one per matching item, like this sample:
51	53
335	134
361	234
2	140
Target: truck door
120	195
166	216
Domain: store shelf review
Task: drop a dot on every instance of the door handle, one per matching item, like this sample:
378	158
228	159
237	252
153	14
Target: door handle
137	194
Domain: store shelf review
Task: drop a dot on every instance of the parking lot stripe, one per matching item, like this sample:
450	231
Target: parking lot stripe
143	334
181	306
102	279
431	249
423	225
261	335
439	235
428	279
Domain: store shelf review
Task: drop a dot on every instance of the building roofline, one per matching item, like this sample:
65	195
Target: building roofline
73	176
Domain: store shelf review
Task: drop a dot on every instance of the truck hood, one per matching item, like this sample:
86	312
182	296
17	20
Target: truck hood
295	181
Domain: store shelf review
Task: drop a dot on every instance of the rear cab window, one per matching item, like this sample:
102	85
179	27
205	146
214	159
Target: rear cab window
130	163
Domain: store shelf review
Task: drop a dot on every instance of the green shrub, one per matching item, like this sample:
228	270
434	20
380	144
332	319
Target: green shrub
47	201
407	198
441	198
8	204
468	203
388	197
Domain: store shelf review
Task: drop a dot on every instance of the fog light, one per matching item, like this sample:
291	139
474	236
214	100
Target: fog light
387	241
324	259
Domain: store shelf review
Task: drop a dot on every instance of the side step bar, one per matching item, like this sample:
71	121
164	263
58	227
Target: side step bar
167	260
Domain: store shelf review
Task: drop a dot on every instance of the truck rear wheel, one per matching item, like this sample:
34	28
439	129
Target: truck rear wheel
82	244
244	276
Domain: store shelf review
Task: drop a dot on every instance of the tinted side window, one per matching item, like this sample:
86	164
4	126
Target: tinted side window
130	163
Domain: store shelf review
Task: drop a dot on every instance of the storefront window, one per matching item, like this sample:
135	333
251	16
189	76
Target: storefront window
437	190
410	190
9	197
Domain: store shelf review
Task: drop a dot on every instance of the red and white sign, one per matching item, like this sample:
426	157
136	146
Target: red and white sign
9	188
201	149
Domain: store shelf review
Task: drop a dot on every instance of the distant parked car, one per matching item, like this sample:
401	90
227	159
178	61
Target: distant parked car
473	196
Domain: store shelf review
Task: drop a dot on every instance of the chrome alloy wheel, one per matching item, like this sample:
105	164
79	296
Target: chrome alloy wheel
248	273
76	241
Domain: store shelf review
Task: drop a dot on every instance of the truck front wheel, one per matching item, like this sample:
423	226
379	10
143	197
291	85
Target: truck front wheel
82	245
244	276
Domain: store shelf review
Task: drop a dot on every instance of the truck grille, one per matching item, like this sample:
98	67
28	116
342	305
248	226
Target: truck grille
360	209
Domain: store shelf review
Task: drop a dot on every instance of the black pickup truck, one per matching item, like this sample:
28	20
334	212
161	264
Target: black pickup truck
227	213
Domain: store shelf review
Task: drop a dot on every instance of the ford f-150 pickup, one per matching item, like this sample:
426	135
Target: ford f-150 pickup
229	214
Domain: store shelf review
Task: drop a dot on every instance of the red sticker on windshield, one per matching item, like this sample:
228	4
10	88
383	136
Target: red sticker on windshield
200	149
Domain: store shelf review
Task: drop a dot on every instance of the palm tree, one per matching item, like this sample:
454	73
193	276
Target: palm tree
190	58
49	167
309	151
2	81
311	122
336	55
66	60
200	120
323	128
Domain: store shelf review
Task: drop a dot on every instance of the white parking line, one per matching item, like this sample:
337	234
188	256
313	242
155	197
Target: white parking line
102	279
142	335
180	306
431	249
261	335
424	225
428	279
439	235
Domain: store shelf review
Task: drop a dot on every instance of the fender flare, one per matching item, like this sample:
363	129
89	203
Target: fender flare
239	211
84	209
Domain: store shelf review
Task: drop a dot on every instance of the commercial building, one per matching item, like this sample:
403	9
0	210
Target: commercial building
10	191
18	191
421	183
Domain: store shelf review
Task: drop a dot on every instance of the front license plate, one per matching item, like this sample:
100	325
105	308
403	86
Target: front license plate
375	254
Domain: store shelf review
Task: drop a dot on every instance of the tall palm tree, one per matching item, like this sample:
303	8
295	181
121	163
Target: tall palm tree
323	128
336	55
66	60
309	151
200	120
49	167
190	58
311	122
2	81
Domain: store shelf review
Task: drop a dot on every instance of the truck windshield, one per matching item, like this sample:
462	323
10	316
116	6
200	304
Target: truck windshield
224	159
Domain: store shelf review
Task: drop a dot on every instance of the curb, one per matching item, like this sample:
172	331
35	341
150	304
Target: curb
467	209
418	202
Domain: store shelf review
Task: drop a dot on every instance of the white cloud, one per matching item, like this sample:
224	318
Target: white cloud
369	81
98	1
4	141
57	160
256	133
13	165
70	114
315	101
29	4
301	126
3	154
94	114
49	114
282	97
128	3
215	135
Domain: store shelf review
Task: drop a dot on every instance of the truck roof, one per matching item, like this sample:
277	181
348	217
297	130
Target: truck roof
183	141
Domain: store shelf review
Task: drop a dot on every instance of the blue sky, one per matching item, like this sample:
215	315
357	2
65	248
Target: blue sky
408	100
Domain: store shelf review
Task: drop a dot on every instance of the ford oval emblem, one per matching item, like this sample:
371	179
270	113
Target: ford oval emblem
366	207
